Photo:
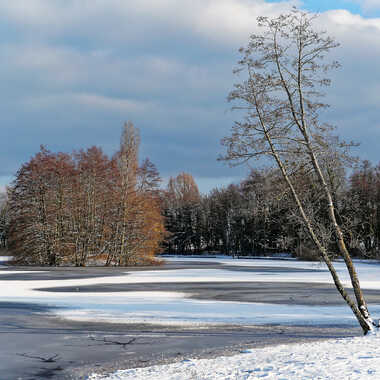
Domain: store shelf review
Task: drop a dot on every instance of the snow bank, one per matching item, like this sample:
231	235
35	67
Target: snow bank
347	358
4	259
21	272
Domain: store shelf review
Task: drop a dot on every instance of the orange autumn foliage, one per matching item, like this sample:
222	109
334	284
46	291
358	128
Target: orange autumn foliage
85	208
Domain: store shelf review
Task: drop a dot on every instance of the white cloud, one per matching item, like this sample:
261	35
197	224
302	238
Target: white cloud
164	63
337	19
368	5
88	100
50	64
99	101
118	20
226	22
229	21
359	54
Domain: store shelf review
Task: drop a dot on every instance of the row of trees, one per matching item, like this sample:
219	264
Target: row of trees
64	209
363	198
232	220
86	207
256	216
3	220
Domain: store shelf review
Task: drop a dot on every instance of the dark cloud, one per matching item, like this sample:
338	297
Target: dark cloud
72	72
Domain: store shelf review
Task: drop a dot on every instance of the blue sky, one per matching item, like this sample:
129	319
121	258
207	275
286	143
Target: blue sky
367	9
326	5
73	72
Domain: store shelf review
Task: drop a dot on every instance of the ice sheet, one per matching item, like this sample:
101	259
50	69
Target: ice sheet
173	307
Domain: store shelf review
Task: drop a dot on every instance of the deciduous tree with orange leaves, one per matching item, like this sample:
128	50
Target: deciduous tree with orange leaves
86	208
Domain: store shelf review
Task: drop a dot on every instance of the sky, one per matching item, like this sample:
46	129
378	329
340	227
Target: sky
73	72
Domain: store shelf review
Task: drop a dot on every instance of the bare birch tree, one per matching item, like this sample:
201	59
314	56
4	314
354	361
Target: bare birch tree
128	166
4	219
281	99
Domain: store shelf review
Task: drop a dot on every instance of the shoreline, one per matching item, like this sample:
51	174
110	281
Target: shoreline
170	345
79	349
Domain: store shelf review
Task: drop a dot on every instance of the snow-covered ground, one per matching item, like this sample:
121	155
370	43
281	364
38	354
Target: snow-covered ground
347	358
4	259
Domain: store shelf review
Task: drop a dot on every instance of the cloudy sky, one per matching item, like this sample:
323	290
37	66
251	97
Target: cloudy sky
72	71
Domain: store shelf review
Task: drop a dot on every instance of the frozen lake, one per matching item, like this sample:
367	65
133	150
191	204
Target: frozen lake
187	308
179	296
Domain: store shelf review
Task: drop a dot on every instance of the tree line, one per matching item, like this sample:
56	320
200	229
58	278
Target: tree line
77	208
256	216
85	207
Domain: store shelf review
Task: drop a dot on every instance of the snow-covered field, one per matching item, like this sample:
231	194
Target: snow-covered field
347	358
